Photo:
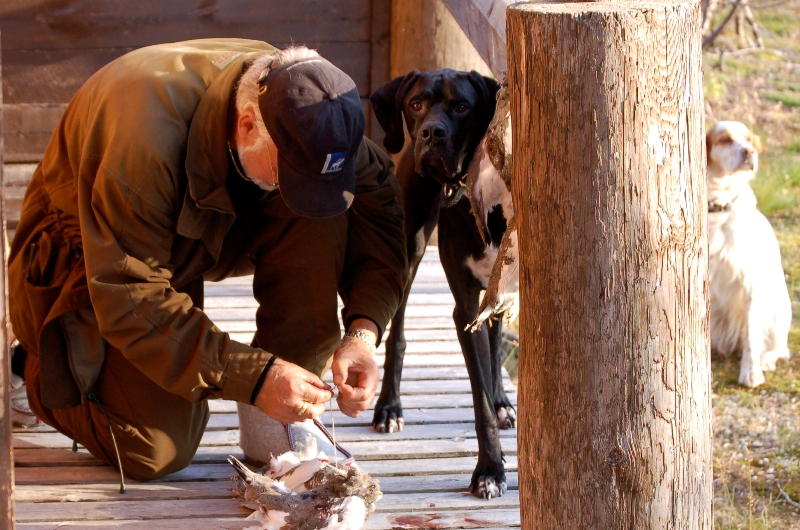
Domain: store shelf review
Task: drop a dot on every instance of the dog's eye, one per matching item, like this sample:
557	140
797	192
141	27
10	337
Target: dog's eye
726	140
416	106
462	108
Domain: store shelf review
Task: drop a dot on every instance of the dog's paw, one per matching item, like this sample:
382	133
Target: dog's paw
506	417
768	362
769	359
488	485
388	418
751	378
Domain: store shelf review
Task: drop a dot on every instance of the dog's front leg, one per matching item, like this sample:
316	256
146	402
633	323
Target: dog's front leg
751	373
420	200
506	414
388	415
489	477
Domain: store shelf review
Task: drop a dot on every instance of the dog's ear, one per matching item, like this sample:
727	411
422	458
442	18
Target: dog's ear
708	143
756	141
487	88
387	104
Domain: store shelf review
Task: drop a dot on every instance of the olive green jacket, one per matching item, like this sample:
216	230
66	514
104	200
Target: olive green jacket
129	204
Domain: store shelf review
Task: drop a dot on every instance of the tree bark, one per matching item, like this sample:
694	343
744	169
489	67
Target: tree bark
6	458
609	186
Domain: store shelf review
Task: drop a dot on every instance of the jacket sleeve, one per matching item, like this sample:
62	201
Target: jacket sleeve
376	265
127	248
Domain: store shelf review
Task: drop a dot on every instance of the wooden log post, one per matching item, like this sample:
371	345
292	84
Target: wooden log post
6	459
609	186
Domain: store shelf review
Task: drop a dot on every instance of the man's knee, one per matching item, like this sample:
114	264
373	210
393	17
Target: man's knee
152	449
154	462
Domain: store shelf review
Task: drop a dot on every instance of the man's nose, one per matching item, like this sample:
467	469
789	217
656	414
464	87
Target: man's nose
433	132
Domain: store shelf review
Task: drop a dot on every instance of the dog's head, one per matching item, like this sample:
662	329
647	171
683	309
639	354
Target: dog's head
446	113
732	148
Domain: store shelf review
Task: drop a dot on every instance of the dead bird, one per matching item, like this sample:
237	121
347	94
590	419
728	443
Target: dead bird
309	495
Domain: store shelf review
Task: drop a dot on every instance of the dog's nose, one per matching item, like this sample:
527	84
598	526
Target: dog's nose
433	132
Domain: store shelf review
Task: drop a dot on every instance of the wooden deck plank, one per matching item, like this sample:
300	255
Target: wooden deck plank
473	520
442	325
381	449
87	476
102	475
68	499
409	402
344	435
225	421
220	490
220	506
247	301
222	314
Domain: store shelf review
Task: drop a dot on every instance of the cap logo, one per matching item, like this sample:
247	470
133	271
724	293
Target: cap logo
334	162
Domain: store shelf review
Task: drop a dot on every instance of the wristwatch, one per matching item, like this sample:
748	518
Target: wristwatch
364	336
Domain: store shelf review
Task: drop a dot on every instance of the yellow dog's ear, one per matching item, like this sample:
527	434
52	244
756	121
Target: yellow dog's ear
708	142
756	141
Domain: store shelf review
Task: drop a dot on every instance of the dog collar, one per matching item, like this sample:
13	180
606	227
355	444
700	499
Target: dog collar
715	207
452	191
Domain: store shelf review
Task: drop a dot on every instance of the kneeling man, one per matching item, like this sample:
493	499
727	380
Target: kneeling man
195	161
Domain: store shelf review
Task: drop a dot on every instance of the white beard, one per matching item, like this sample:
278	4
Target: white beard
246	159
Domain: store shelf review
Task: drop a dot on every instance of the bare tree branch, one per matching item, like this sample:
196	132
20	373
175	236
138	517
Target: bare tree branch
787	498
709	40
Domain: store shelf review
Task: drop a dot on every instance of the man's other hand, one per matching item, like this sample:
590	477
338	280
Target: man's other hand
291	393
355	371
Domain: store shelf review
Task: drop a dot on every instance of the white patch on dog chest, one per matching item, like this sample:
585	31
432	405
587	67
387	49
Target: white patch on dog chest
482	268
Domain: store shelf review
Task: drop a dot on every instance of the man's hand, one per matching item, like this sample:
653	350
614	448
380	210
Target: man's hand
355	371
291	393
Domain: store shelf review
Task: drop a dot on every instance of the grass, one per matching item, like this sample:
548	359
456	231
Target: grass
777	184
786	97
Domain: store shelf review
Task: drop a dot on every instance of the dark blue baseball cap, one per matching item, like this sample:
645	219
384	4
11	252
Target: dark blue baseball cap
313	114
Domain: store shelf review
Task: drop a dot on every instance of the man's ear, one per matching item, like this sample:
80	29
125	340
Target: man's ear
246	128
487	89
387	104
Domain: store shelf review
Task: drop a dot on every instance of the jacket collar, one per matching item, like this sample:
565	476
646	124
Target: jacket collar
207	212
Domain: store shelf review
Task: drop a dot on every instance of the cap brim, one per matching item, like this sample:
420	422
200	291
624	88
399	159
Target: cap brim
311	197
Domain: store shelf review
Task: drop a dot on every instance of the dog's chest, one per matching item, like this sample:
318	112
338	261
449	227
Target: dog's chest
494	202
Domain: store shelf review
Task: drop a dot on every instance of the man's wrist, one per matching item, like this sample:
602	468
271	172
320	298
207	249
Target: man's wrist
369	338
261	379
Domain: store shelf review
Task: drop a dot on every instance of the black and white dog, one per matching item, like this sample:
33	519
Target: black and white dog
447	112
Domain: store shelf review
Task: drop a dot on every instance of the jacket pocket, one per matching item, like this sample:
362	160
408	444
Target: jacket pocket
49	267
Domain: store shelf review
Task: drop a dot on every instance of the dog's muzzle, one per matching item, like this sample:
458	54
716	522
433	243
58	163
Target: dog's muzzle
747	164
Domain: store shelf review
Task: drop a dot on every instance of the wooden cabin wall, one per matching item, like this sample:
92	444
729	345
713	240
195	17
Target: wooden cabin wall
50	47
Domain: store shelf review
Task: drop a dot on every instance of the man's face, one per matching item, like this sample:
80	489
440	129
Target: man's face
259	160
